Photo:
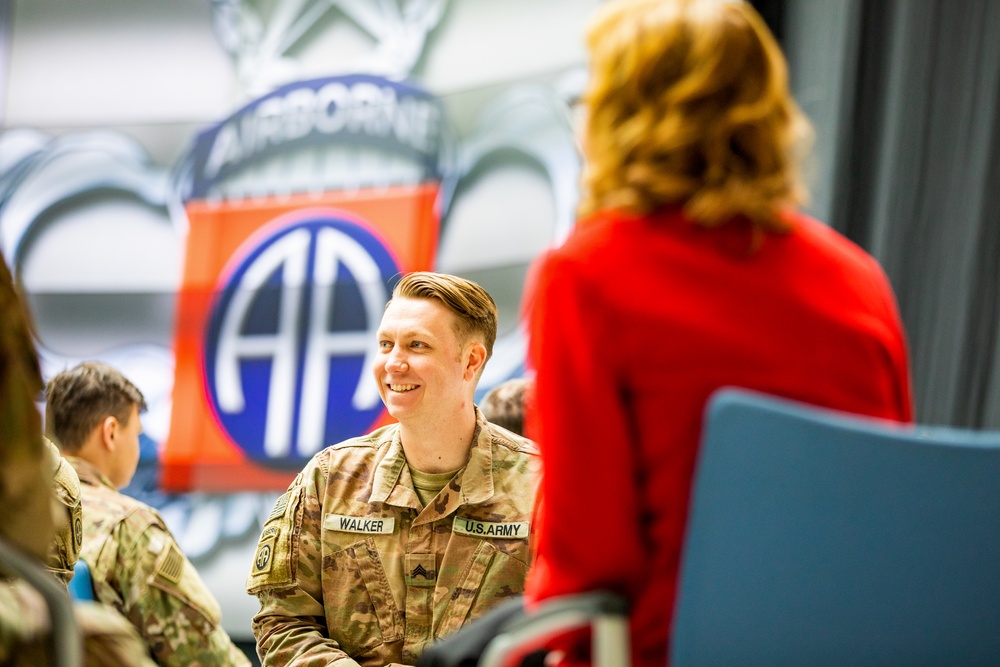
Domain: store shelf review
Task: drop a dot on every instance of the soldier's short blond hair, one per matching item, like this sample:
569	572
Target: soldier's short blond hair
79	399
475	309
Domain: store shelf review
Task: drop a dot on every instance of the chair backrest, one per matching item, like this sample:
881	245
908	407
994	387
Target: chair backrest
819	538
81	586
65	643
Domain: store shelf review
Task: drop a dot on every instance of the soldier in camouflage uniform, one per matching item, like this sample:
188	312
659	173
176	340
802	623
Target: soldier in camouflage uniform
108	639
387	542
65	549
92	412
506	404
27	469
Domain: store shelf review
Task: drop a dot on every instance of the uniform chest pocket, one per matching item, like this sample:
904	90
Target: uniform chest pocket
490	577
360	609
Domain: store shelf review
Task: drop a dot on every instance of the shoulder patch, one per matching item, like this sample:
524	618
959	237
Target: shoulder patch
78	528
274	561
171	565
279	507
264	556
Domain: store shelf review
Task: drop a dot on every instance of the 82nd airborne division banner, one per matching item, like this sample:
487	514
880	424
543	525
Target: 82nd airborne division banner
303	210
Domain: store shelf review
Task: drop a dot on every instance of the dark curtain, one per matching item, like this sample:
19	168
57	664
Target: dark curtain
773	13
915	187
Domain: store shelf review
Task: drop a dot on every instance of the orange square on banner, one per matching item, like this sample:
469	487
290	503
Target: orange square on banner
199	453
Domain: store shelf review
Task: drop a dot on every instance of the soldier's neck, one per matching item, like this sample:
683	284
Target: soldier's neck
439	446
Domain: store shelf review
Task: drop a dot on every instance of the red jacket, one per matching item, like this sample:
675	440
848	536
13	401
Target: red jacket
635	321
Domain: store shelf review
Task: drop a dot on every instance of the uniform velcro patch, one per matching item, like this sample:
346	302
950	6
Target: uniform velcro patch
279	507
171	565
421	570
379	525
77	531
264	557
509	530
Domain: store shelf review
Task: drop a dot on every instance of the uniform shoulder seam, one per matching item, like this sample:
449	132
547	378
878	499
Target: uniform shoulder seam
512	441
374	440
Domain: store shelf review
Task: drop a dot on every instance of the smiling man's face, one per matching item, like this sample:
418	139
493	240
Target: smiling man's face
422	367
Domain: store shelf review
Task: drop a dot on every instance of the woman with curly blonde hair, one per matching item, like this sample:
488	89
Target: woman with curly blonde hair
689	270
688	104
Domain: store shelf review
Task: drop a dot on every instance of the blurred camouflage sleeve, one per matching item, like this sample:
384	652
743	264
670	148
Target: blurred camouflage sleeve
164	597
23	619
286	576
108	639
65	549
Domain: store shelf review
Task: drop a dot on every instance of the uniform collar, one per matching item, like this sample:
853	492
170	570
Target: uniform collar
473	484
89	473
477	478
388	472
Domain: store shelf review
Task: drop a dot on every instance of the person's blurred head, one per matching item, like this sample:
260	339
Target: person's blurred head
506	403
688	105
28	518
92	411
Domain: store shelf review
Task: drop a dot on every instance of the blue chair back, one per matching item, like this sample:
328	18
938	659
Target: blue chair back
818	538
81	586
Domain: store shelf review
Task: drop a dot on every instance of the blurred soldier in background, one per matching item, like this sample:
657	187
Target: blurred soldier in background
506	403
92	413
33	513
65	549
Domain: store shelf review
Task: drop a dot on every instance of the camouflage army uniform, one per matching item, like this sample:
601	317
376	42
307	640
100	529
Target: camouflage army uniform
108	639
350	569
65	549
138	569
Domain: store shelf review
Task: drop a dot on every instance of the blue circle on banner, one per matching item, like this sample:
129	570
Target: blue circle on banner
291	338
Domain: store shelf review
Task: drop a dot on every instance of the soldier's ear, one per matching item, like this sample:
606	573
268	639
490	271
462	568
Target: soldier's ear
109	428
475	356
